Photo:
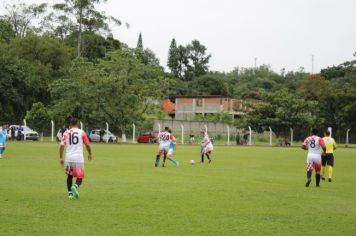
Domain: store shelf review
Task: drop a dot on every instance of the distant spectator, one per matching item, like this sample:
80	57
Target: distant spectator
13	133
191	137
286	141
238	139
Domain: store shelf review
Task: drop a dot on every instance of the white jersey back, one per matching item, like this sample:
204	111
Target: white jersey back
164	138
74	139
314	143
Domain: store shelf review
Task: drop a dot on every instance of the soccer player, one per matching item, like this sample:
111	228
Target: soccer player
164	139
3	137
314	144
171	149
327	159
206	146
73	139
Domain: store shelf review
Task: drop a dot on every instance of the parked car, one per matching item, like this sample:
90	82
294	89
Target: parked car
148	137
106	136
26	132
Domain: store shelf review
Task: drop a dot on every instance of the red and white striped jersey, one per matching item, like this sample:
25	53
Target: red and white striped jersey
74	139
206	140
314	143
165	138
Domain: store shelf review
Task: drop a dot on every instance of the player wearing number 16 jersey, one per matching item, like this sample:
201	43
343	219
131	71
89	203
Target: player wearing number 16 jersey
315	145
73	139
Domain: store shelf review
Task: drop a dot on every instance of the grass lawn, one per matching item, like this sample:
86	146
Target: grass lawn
245	191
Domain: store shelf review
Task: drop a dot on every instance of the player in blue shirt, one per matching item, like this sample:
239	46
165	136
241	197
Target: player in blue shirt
3	136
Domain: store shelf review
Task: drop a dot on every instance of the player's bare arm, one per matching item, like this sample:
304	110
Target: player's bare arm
87	146
61	151
304	147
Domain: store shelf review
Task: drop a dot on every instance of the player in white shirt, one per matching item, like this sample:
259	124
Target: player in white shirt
206	146
165	140
73	139
315	145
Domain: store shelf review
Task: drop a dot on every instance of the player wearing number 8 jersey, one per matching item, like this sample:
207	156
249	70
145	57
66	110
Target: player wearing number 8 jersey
315	145
73	139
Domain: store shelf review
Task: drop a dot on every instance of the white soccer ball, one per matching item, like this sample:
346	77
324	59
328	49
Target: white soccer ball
192	162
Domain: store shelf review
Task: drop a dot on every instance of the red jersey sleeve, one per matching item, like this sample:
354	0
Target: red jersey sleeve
172	138
85	138
321	141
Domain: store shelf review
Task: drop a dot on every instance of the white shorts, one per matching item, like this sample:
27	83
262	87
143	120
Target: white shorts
314	158
163	148
207	149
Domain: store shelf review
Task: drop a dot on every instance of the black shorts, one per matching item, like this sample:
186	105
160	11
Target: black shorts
327	159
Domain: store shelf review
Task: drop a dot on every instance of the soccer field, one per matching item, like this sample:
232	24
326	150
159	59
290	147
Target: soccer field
246	190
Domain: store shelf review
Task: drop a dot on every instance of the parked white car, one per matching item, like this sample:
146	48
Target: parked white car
26	132
106	136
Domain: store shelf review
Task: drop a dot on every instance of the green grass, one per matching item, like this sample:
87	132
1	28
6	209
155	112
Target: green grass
246	191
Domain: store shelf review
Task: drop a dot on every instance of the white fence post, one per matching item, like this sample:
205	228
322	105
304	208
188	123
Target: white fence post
182	126
107	132
250	140
81	125
52	133
159	128
133	133
228	135
206	128
270	136
24	134
291	136
347	137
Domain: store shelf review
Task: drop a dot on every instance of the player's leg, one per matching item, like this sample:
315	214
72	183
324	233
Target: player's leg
1	152
165	151
170	157
69	185
330	167
158	157
323	166
208	156
309	173
202	154
69	172
78	172
317	167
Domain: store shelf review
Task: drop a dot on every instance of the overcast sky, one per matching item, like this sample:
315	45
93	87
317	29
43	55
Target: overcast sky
281	33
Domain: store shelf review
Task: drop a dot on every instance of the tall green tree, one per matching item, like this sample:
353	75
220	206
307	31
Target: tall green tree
38	117
173	59
140	43
83	15
199	58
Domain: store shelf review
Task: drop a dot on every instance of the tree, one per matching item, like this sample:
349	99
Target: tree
85	17
199	58
140	43
38	117
17	81
21	17
281	111
210	84
173	58
6	31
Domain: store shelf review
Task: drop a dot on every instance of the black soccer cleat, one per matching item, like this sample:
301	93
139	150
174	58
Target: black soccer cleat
330	180
308	183
323	178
